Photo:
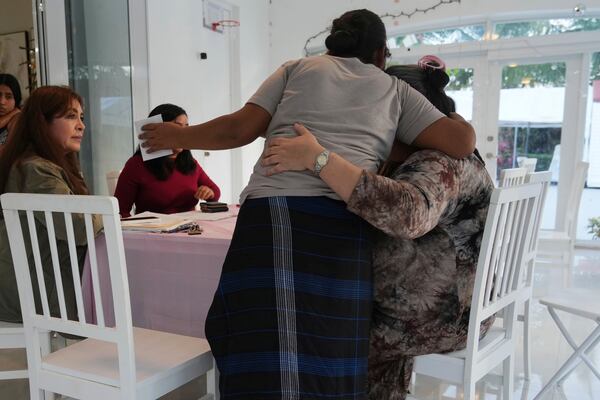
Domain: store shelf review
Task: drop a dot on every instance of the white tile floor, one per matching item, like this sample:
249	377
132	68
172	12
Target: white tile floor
549	349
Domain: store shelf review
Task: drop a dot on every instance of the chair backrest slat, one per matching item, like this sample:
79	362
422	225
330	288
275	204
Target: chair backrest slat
506	238
520	240
544	178
89	230
494	251
39	272
512	176
515	237
574	198
491	289
505	243
72	244
56	264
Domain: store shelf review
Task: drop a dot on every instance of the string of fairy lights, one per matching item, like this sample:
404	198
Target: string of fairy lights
393	16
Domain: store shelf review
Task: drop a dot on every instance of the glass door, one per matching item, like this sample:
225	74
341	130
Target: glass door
530	121
588	227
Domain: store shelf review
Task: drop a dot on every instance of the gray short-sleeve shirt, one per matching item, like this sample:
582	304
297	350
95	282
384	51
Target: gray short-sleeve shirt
354	109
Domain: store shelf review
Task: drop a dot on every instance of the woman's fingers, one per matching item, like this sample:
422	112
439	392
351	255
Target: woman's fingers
276	169
301	129
204	193
270	160
150	127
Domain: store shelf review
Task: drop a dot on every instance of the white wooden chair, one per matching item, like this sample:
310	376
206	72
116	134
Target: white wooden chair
557	245
12	336
512	176
118	362
528	163
584	304
112	177
543	178
506	240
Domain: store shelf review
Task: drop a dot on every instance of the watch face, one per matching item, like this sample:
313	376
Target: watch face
322	159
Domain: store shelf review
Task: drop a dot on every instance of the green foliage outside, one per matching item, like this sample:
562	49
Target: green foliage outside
536	143
594	227
546	27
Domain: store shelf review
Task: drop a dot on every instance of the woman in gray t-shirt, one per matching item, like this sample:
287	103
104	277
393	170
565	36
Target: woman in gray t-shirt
290	317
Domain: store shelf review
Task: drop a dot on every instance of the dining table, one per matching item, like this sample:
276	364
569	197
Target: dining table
172	276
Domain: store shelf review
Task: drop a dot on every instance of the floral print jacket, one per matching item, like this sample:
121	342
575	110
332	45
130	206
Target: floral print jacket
431	215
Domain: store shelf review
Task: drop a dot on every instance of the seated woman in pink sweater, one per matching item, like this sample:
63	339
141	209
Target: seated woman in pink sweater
168	184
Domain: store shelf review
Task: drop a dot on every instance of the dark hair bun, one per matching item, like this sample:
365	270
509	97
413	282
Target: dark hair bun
437	79
342	41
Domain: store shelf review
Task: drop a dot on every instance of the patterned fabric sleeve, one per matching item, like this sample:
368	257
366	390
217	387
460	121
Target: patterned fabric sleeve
411	202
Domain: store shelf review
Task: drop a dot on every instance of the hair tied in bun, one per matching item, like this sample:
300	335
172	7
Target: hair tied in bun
432	62
342	41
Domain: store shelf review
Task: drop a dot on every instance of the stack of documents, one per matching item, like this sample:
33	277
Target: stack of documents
155	222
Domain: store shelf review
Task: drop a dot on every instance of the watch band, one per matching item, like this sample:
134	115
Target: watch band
321	161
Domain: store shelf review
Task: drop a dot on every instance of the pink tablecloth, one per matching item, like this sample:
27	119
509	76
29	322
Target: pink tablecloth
172	277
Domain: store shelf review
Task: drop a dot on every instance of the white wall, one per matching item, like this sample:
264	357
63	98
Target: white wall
176	36
293	22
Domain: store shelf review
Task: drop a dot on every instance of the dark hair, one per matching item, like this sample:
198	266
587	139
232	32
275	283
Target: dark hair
357	33
31	135
13	84
429	81
162	167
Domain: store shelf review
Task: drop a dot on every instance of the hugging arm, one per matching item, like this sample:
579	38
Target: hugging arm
451	135
408	208
226	132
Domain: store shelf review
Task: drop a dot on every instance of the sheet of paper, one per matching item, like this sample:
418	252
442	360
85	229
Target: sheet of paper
138	129
162	222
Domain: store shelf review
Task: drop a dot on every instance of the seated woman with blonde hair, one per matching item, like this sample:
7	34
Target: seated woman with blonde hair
41	157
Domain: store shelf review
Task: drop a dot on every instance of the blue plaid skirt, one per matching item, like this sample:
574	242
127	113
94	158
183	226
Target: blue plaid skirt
290	317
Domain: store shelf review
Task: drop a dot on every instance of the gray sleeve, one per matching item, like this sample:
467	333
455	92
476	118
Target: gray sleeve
416	113
269	94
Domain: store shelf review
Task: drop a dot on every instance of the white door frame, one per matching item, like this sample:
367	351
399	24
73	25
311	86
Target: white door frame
52	41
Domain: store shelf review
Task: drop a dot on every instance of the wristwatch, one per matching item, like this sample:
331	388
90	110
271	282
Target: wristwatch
321	161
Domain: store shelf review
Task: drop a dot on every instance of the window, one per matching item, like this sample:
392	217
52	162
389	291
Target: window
442	36
545	27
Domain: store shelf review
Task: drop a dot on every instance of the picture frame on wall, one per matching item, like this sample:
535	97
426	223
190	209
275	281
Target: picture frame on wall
14	58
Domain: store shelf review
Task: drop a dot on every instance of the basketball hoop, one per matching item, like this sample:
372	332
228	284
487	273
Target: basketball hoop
225	23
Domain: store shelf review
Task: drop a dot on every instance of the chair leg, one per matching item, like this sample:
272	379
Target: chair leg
45	340
469	388
35	393
212	381
527	340
568	365
583	358
508	380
